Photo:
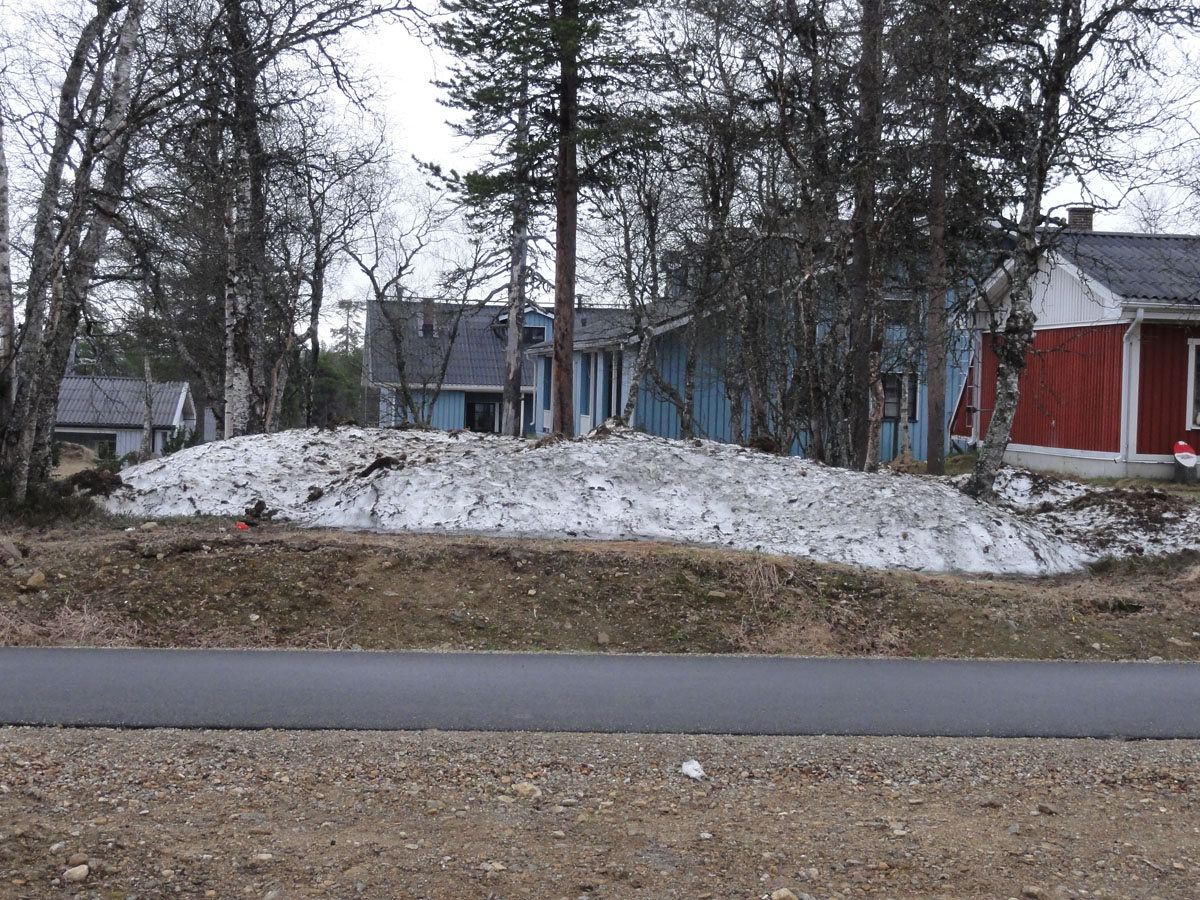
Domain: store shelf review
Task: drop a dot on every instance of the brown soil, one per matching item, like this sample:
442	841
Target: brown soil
277	816
204	584
73	458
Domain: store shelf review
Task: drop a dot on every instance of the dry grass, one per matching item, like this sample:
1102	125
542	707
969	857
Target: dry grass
69	626
787	615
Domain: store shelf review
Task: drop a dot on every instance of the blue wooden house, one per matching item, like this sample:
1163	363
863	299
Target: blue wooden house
606	347
443	364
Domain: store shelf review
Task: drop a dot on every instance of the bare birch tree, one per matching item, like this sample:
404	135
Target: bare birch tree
67	241
1081	67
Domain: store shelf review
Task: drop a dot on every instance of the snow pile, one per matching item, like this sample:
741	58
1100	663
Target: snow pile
1033	490
1114	521
621	486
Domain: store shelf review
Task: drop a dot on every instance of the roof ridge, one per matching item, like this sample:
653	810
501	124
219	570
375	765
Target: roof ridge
1130	234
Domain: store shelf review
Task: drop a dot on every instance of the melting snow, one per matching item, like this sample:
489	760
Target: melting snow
622	486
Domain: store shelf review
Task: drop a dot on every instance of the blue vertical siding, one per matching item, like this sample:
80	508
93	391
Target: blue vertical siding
659	416
449	409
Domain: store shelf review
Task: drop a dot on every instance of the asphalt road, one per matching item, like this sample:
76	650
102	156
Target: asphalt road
603	693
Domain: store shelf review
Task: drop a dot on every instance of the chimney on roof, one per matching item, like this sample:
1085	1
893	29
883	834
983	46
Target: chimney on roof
428	317
1079	218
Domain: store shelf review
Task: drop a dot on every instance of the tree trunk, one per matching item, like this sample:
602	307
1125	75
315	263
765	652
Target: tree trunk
237	371
875	423
7	320
250	365
566	196
905	429
687	414
641	367
313	333
863	225
20	431
935	315
1010	348
511	420
147	448
94	211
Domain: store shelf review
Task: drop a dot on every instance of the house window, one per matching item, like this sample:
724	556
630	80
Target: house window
546	380
1193	394
585	384
533	334
892	395
426	329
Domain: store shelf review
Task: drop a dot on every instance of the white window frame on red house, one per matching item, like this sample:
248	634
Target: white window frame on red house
1193	415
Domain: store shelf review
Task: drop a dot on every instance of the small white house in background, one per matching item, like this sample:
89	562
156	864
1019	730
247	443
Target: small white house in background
100	412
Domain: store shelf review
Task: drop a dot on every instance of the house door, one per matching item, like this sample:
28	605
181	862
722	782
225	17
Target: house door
587	381
483	413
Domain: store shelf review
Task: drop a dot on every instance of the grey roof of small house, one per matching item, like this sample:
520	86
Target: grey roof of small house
601	326
1155	267
101	401
476	356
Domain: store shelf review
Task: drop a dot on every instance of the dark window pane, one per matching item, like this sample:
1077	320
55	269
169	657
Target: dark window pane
585	385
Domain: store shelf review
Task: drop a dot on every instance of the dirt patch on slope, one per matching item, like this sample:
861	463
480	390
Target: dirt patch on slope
207	584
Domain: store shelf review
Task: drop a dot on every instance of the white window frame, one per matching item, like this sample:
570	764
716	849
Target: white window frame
1193	421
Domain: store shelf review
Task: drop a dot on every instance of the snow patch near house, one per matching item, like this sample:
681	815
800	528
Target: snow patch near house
1105	521
624	485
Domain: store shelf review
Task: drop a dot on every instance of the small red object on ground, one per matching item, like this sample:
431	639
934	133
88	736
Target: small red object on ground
242	526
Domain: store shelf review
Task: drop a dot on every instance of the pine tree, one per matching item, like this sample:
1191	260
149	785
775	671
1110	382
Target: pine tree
536	78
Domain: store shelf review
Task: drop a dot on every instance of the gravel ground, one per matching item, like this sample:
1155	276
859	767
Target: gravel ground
281	815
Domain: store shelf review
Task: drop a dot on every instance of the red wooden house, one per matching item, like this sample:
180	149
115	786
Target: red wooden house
1111	381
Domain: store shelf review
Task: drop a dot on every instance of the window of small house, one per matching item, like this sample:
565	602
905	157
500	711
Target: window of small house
891	396
533	334
1193	394
546	379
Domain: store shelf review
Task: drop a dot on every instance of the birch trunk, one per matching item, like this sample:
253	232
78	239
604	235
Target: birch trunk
518	253
92	214
7	320
1010	348
20	434
1012	345
147	448
905	430
237	371
641	367
249	376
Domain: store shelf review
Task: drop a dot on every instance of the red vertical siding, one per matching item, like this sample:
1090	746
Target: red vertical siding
1162	388
960	425
1070	389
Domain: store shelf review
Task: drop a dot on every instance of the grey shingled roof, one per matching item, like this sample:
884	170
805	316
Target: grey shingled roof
1155	267
476	356
99	401
601	326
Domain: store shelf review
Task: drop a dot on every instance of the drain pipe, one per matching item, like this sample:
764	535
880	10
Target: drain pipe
1128	400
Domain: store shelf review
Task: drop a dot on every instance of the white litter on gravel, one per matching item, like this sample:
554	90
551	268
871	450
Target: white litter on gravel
625	485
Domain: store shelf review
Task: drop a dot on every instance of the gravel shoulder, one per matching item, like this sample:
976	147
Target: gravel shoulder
279	815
